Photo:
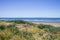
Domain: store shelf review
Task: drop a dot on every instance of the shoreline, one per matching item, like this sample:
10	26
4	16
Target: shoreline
56	24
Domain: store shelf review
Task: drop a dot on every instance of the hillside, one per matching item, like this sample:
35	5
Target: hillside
23	30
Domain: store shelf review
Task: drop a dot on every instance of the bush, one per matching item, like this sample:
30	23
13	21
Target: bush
41	26
13	29
18	21
28	36
49	28
2	27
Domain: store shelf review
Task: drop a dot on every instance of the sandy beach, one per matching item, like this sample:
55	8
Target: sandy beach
56	24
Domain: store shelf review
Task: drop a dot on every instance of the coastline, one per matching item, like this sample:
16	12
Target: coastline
53	23
48	21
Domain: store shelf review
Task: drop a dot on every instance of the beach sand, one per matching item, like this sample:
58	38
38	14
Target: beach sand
56	24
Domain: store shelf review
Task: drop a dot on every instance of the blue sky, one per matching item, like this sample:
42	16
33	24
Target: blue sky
30	8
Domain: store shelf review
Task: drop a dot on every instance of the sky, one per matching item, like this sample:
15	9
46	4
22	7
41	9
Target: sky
30	8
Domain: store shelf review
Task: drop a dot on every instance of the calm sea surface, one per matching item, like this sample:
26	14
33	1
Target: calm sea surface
33	19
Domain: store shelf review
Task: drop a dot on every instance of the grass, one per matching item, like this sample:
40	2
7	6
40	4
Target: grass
49	27
33	31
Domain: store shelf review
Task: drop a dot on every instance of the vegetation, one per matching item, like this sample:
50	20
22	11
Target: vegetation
22	30
19	21
49	27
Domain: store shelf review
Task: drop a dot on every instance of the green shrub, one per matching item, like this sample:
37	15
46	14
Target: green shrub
13	29
49	28
41	26
18	21
2	27
26	35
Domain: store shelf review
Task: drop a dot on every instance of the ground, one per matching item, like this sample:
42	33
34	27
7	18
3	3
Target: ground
17	30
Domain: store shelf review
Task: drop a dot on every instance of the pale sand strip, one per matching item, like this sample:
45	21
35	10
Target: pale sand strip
56	24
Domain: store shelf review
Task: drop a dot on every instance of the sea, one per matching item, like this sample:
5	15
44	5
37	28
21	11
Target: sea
34	19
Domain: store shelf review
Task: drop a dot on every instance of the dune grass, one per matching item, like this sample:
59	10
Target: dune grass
33	31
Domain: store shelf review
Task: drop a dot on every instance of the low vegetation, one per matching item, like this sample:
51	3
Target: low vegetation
49	27
22	30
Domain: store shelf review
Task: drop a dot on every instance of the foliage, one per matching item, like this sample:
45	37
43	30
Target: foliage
33	31
49	28
2	27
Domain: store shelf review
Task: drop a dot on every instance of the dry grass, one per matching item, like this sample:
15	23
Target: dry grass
15	31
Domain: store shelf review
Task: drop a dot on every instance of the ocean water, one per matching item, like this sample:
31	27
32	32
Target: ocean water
33	19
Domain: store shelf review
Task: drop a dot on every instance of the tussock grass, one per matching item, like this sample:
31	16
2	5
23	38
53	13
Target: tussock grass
33	31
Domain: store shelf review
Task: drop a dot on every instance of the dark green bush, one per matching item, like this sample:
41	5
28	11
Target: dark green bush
2	27
49	28
41	26
18	21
